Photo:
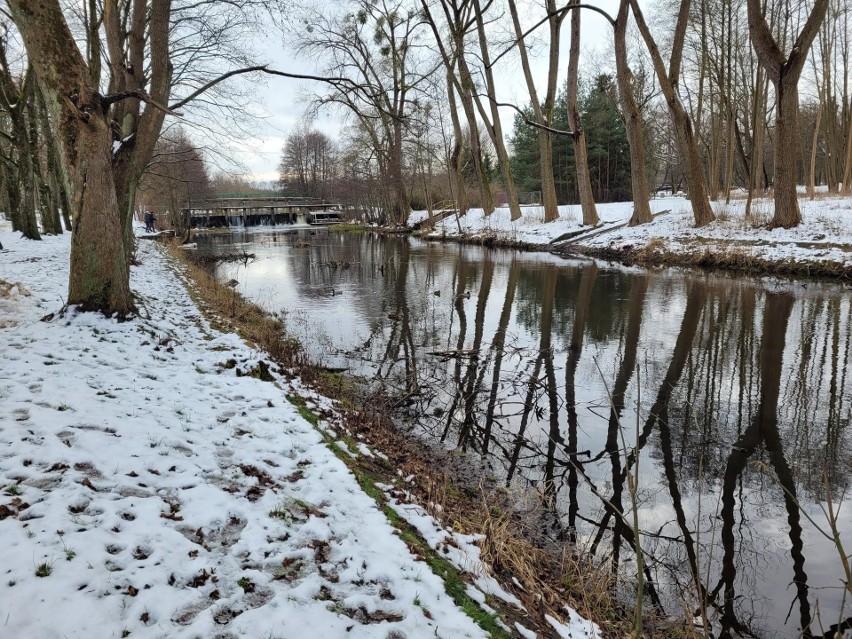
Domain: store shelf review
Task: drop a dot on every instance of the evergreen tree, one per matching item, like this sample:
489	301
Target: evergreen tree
606	139
525	153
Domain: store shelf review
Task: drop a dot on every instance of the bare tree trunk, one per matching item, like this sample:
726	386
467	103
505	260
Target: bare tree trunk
456	175
847	172
543	116
784	71
787	213
578	135
17	97
58	180
814	145
632	122
466	97
668	79
758	135
496	128
99	278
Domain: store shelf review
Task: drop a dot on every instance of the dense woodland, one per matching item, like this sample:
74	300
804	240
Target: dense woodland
707	96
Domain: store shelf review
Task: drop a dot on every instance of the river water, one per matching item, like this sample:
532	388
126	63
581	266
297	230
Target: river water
737	393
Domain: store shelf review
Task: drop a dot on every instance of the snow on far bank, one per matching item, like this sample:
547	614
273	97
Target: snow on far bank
531	228
824	235
147	490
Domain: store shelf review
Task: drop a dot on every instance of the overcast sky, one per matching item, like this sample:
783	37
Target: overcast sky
282	104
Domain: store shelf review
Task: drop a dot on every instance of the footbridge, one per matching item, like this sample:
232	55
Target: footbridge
255	211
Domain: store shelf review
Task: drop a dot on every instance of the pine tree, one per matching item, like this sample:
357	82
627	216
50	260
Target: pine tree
606	139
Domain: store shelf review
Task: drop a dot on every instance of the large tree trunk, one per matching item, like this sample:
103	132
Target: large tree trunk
787	213
99	278
784	71
578	135
632	123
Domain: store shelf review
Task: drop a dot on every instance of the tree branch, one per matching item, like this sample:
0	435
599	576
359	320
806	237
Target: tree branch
531	123
138	94
264	69
558	12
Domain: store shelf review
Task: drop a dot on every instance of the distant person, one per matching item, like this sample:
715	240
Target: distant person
149	221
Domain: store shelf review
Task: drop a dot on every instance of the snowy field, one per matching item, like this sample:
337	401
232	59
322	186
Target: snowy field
824	235
148	491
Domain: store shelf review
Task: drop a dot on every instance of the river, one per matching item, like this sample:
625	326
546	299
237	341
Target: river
538	364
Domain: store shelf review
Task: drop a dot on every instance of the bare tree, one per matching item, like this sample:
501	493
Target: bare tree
543	111
784	71
460	20
669	79
376	49
578	135
176	176
308	163
632	121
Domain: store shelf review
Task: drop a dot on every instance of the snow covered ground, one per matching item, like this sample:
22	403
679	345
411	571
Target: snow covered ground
147	490
531	228
824	236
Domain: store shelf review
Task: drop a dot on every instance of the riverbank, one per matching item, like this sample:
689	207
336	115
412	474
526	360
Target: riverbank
162	478
821	246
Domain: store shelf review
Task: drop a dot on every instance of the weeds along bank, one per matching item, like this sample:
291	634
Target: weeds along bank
542	575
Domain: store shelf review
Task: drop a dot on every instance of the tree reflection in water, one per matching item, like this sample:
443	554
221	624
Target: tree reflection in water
745	390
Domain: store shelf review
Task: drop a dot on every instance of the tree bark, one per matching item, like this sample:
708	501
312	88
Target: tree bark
578	135
784	71
668	79
99	277
632	122
787	213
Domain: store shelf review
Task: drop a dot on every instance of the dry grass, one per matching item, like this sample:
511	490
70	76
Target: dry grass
651	250
723	213
12	289
719	257
233	312
760	215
